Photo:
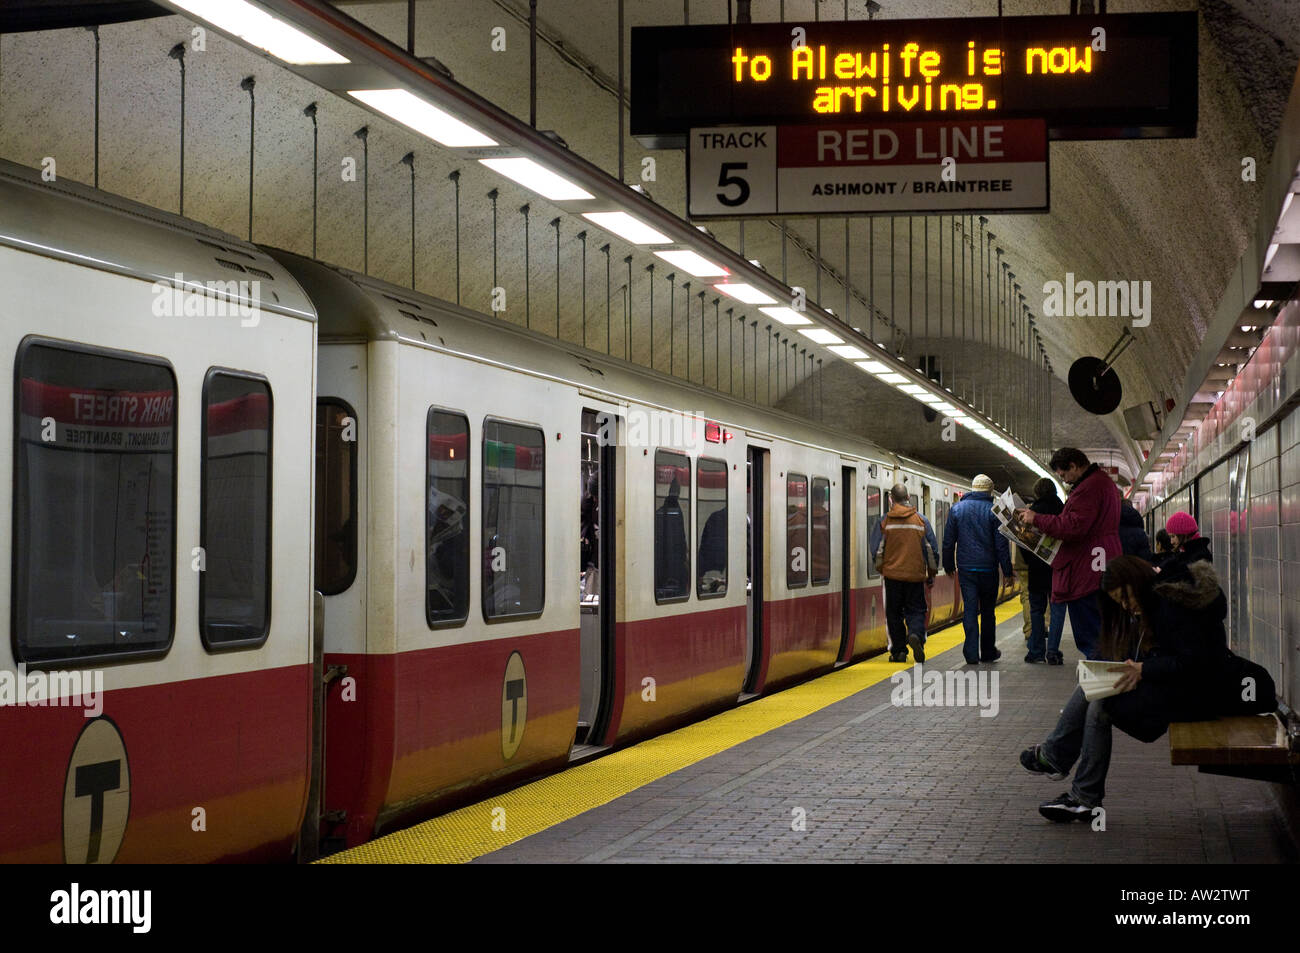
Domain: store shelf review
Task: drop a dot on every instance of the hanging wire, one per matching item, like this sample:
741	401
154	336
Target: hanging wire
455	180
409	160
248	83
525	211
582	237
177	53
310	113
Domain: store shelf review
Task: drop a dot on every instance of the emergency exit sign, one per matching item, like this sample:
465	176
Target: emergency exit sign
866	168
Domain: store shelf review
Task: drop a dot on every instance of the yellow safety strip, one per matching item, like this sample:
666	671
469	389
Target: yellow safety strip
489	825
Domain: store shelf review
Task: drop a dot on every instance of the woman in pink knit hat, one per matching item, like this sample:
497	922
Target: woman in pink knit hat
1189	545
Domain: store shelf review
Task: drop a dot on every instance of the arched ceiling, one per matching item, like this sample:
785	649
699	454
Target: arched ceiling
1172	212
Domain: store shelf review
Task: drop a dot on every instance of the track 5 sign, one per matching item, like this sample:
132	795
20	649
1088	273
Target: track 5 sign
866	168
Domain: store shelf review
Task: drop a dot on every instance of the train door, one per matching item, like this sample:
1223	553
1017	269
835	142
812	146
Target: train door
848	525
596	567
755	512
340	560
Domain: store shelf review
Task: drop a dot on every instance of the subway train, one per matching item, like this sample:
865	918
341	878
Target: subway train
298	557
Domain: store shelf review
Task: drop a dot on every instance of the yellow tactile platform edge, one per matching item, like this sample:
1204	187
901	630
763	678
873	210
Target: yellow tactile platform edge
470	832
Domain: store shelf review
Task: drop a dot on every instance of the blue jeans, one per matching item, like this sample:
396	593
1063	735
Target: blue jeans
979	596
1038	612
1085	621
1083	734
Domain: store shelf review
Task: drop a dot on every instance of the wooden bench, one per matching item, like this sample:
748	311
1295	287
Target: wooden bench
1245	746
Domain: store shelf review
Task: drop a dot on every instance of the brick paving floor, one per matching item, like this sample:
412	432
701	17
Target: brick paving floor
877	782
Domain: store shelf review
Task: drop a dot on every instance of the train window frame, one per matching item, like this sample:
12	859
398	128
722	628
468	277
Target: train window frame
355	498
699	528
259	640
47	661
807	532
687	514
872	571
469	513
488	618
813	580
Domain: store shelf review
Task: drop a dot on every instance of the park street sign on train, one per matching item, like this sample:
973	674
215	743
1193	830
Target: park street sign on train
868	168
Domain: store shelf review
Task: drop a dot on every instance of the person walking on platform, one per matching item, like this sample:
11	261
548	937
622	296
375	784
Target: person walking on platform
1021	567
973	545
1088	528
905	546
1133	532
1170	634
1047	618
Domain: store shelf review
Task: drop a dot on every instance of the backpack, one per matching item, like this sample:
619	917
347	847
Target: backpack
1241	677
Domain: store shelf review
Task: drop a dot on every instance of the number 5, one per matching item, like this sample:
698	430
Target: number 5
725	179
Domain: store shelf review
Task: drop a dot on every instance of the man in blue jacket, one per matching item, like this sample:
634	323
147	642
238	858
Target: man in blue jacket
972	537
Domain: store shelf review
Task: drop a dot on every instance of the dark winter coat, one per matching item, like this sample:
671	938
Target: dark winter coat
971	539
1193	551
1133	532
1190	655
1040	573
1090	520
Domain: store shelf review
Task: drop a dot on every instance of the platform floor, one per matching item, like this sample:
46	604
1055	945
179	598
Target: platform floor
864	780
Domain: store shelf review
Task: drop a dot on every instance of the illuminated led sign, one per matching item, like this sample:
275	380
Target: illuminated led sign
1090	77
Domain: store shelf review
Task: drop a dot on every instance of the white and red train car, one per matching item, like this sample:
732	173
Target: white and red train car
344	555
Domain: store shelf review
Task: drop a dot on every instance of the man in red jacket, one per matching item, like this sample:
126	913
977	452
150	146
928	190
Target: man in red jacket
1088	528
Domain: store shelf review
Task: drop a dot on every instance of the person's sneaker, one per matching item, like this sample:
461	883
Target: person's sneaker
1064	809
898	656
997	654
1055	658
1033	760
918	647
1031	657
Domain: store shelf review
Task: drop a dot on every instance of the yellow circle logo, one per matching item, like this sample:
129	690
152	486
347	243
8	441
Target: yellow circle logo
96	795
514	706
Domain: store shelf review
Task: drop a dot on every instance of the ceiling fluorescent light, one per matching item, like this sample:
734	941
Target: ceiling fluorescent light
911	388
822	336
538	178
746	293
892	378
931	399
693	263
258	28
874	367
627	228
848	351
787	316
422	116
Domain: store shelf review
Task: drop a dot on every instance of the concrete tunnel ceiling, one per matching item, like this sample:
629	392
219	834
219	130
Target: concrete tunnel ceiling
1173	212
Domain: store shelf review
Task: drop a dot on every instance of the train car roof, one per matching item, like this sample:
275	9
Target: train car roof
72	222
352	306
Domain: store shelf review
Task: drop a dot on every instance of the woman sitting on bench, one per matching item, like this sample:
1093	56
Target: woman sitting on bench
1168	629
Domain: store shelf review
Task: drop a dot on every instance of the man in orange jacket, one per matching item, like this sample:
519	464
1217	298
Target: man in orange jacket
904	535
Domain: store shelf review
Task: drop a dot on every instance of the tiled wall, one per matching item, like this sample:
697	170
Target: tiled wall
1264	572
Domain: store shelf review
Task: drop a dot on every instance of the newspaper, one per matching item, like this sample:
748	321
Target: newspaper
1029	538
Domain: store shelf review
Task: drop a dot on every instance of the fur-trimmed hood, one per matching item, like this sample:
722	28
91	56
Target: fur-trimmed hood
1196	587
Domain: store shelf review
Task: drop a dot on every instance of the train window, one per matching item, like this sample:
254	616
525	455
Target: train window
446	519
711	519
514	520
821	531
235	526
796	530
672	526
336	496
94	503
873	520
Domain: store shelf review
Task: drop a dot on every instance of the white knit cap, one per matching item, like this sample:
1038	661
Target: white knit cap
981	483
